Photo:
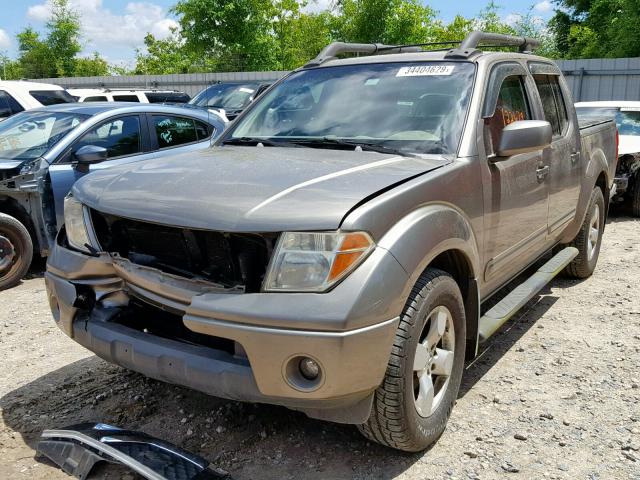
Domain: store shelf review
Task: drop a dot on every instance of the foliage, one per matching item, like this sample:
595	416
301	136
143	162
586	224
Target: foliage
92	66
597	28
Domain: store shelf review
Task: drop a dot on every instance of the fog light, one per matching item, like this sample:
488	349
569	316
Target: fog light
309	368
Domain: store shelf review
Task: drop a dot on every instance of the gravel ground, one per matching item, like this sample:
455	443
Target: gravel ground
556	394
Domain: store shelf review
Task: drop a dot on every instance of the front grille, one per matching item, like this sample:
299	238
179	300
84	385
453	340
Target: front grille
231	260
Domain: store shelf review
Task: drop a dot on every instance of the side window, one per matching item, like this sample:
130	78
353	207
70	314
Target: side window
203	130
126	98
555	111
511	106
173	131
120	137
98	98
14	105
5	110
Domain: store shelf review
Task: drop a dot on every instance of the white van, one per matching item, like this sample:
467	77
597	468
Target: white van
16	96
127	95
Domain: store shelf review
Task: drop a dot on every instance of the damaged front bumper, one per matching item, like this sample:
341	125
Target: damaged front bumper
77	449
349	331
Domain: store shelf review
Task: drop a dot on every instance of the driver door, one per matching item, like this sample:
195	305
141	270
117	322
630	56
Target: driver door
123	137
517	200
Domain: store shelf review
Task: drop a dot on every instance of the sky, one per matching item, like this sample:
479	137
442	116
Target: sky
115	28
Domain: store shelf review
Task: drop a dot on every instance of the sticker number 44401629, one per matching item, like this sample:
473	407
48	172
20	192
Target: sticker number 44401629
425	70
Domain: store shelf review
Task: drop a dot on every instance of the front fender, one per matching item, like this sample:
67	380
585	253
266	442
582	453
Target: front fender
427	232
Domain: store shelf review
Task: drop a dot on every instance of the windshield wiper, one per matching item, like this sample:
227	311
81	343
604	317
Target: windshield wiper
256	140
366	146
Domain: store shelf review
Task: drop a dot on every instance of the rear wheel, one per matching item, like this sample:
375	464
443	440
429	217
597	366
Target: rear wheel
412	406
589	238
16	251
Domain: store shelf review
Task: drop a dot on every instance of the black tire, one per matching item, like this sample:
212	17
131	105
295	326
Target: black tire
394	420
15	237
635	196
585	263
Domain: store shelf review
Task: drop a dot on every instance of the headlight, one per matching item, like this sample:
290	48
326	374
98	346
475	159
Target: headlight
75	225
315	261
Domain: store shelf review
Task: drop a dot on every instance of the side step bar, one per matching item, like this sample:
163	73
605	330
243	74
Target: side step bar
492	320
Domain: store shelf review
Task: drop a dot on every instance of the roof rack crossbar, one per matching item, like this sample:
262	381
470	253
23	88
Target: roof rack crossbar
473	40
334	49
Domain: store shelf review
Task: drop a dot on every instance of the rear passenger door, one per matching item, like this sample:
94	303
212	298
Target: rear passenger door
563	154
126	140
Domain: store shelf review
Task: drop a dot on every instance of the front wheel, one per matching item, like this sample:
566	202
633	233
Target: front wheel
412	406
16	251
589	238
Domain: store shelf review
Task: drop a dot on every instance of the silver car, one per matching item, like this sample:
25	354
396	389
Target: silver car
44	151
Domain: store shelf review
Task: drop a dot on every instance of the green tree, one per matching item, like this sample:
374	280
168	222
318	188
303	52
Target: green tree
63	37
597	28
35	58
236	34
167	56
91	66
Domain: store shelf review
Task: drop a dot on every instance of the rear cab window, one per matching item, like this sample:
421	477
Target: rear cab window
52	97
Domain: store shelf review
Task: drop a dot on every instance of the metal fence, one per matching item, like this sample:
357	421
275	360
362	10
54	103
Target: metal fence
603	78
594	79
190	83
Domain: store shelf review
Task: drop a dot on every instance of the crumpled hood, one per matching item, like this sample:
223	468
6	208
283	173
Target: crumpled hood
249	189
10	164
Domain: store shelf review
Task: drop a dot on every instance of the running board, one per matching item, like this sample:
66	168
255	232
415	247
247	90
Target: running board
491	321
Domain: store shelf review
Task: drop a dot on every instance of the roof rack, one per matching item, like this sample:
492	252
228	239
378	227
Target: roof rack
470	44
468	47
331	51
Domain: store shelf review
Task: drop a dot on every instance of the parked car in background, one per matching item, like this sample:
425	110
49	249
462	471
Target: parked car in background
333	251
45	150
230	99
127	95
17	96
627	117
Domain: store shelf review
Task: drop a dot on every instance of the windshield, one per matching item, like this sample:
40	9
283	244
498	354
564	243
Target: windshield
408	107
29	135
227	96
627	120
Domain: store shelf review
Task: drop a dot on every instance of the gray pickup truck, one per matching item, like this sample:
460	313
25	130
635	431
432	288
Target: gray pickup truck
334	251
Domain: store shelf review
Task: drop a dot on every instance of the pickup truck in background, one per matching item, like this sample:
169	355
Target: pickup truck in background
334	251
18	96
627	118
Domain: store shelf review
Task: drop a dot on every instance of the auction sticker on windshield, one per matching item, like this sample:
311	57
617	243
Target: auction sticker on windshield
425	70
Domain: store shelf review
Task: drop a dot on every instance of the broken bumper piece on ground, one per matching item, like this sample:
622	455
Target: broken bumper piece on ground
77	449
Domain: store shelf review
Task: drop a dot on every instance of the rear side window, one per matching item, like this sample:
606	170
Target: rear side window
8	105
173	131
511	106
126	98
120	137
52	97
555	111
97	98
167	97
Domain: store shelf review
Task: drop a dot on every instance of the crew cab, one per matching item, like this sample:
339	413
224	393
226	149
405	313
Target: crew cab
17	96
45	150
334	252
128	95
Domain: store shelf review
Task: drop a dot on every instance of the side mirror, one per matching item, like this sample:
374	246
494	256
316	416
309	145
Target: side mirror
524	136
90	154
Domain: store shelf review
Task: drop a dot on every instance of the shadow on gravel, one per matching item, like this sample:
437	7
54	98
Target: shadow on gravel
506	338
248	440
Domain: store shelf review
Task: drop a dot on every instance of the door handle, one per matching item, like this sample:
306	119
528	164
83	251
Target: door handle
542	172
575	156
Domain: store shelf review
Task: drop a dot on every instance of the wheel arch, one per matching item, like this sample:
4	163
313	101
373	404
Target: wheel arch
440	236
